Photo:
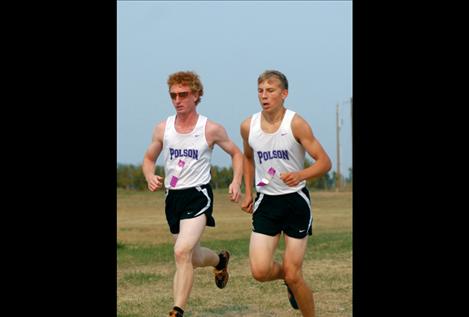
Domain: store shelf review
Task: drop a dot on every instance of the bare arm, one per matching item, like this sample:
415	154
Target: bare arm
248	167
216	134
151	155
304	135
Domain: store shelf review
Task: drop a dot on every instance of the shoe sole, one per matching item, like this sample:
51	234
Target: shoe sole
227	255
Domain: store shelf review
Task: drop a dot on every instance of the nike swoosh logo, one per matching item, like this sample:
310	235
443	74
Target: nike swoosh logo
302	230
282	134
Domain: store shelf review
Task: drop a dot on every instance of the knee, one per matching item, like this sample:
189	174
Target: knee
182	254
292	276
260	274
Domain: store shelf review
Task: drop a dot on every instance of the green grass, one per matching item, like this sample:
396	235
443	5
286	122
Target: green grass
146	262
140	278
321	246
135	255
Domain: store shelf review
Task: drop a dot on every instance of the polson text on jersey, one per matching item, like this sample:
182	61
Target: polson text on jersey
275	154
175	153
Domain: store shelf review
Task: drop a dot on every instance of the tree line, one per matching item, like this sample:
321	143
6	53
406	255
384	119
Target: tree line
130	176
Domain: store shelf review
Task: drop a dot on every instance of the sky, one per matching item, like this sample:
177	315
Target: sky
229	44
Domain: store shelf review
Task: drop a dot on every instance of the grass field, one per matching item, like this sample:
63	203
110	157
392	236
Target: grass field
145	263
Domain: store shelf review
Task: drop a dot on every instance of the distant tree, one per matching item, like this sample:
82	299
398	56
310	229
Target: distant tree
334	178
226	174
221	177
139	181
214	171
350	175
130	176
324	182
123	176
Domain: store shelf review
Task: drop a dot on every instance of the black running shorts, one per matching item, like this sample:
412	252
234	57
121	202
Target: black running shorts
188	203
290	213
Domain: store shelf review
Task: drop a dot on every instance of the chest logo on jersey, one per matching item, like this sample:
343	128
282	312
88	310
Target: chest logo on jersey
175	153
275	154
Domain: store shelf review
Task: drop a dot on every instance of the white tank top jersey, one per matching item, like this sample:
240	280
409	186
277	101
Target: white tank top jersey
187	156
275	153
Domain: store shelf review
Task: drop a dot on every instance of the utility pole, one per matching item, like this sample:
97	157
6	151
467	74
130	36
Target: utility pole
351	123
351	113
337	174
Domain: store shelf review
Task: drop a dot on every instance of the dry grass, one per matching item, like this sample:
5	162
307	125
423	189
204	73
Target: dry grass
146	267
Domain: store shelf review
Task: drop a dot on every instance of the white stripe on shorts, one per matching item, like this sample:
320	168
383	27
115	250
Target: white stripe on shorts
258	202
204	191
300	192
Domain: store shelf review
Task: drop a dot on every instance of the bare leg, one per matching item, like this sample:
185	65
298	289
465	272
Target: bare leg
185	247
202	257
261	257
293	260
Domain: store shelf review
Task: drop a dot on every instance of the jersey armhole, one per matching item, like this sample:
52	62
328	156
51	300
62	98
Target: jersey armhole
251	123
292	135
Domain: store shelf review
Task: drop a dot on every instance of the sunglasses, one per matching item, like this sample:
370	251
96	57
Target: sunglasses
181	95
